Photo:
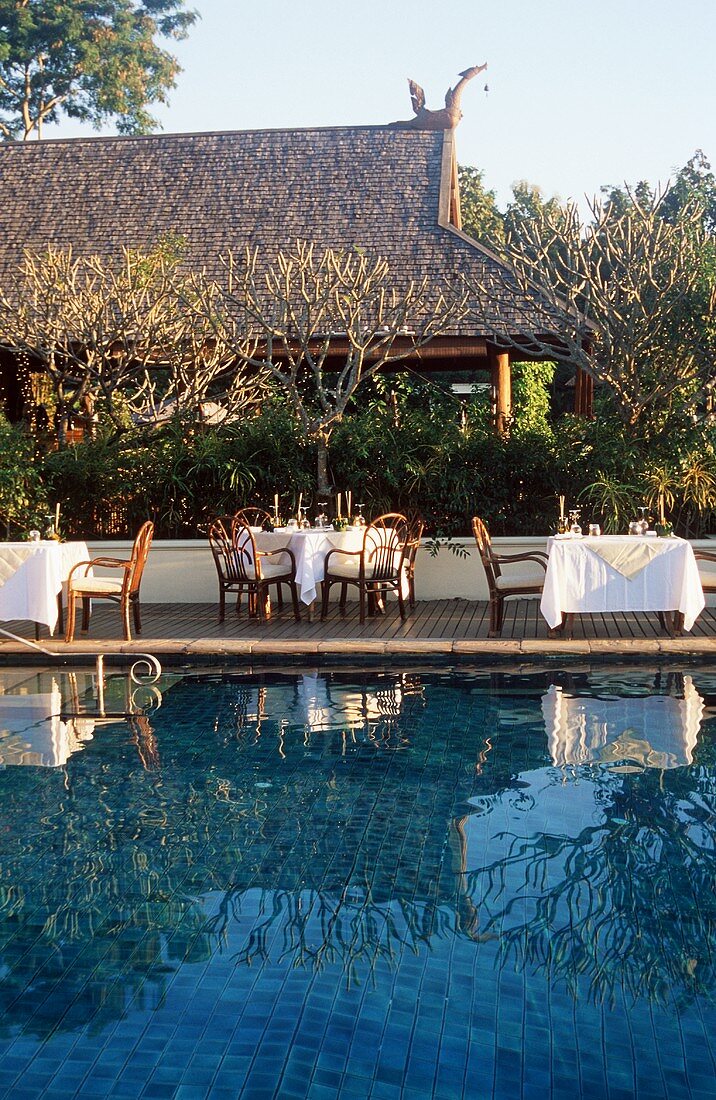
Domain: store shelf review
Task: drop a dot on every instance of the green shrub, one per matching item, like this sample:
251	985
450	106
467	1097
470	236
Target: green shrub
23	500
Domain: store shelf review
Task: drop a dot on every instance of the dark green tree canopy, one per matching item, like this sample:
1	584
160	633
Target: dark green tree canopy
481	216
93	60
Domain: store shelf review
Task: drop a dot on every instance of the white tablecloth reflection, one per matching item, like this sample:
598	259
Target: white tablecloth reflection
310	548
579	581
31	578
654	731
33	734
319	705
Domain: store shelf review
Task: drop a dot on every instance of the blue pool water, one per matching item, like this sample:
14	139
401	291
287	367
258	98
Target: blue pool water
341	885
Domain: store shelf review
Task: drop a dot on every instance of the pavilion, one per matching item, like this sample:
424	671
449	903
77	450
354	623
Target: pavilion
388	190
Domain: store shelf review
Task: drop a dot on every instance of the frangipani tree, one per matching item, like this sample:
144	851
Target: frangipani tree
123	331
628	298
317	323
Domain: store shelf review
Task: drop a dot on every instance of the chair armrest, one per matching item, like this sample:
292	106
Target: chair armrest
281	550
343	553
111	563
105	562
533	555
705	555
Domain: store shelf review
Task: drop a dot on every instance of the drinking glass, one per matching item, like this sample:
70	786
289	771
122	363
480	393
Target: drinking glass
322	519
594	529
575	528
643	519
359	518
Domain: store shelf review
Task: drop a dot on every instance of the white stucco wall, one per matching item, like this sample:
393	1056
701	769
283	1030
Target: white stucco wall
182	571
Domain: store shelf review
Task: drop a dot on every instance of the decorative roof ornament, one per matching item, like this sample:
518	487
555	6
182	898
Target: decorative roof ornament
448	116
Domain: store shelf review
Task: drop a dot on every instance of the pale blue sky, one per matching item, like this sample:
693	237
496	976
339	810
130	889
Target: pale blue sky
581	93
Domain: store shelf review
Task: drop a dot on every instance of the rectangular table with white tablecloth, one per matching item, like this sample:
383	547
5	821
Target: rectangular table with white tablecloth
612	573
31	578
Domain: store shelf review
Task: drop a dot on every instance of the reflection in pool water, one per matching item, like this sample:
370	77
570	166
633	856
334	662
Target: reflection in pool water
654	731
334	884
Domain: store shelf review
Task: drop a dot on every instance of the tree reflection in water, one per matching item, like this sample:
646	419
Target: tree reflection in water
342	821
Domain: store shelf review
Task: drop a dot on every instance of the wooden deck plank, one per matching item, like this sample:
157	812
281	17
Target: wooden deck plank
438	619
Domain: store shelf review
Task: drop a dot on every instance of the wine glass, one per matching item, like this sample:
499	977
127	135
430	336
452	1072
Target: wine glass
303	520
575	528
321	519
643	519
359	518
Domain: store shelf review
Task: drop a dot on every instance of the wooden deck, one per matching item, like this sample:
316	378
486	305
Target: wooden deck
442	628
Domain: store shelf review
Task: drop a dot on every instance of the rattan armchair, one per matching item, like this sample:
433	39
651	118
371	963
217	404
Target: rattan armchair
376	569
522	582
242	567
122	590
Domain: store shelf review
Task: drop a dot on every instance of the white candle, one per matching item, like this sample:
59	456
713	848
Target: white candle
57	517
349	501
275	504
298	511
338	505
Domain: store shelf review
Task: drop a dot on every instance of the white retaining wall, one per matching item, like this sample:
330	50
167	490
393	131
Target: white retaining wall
182	571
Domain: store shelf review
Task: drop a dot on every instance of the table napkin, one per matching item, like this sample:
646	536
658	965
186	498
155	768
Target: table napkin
11	558
628	558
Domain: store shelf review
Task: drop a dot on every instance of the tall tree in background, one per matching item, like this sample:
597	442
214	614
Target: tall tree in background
93	60
481	216
630	298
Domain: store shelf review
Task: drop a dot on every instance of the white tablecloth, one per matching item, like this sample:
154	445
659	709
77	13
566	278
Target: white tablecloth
580	582
310	548
31	577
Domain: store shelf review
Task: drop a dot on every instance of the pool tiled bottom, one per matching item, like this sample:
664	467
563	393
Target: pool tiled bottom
330	885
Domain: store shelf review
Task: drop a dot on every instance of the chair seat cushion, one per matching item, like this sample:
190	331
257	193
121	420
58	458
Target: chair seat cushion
350	569
97	586
273	567
522	579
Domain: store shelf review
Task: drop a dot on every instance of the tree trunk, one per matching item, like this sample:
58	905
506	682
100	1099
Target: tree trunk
322	463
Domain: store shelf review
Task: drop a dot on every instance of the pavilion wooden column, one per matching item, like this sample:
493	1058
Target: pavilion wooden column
583	394
501	378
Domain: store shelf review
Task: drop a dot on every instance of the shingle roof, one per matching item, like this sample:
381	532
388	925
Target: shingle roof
385	190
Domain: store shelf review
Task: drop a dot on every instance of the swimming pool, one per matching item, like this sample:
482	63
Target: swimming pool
359	885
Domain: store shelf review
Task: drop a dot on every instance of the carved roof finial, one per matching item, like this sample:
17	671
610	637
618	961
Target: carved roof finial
448	116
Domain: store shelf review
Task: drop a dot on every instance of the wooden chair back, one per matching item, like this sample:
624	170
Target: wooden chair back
246	561
138	559
416	526
222	549
255	517
384	546
487	556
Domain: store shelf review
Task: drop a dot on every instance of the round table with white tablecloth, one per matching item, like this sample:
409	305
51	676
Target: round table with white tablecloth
309	547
